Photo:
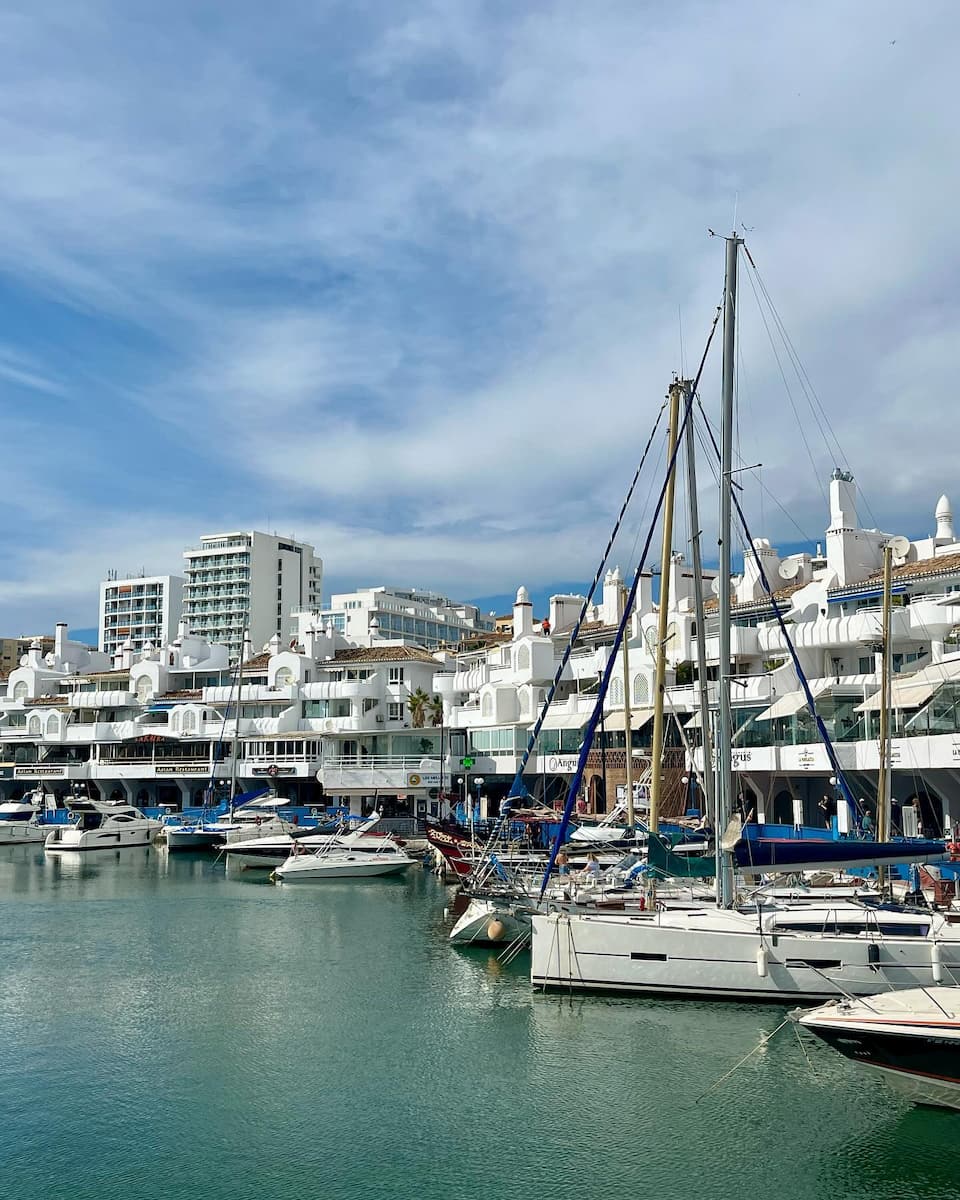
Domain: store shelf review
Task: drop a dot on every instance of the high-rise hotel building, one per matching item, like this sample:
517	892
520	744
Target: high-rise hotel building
248	581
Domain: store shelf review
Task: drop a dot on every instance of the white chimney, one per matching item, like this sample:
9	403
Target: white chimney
944	515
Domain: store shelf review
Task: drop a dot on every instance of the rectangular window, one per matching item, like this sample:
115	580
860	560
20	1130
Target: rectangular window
395	712
395	675
865	665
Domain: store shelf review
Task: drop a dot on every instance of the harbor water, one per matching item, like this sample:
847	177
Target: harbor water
171	1031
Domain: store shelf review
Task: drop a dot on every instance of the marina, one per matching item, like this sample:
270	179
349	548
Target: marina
312	1020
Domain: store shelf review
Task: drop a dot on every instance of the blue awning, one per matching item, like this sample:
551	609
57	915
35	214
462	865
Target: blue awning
896	591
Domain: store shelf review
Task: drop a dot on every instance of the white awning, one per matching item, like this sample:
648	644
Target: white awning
617	720
786	705
904	694
560	720
694	722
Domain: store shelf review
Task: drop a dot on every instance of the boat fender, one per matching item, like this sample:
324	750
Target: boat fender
873	954
936	963
762	959
446	914
496	929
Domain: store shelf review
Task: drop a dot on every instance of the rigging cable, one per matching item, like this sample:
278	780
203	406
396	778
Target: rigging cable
591	727
517	788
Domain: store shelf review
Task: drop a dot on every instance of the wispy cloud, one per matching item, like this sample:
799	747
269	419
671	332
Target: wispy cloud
409	277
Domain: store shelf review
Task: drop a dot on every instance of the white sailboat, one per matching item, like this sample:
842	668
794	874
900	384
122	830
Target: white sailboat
779	952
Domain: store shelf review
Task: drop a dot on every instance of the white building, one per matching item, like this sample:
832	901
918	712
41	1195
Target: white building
250	581
140	610
408	614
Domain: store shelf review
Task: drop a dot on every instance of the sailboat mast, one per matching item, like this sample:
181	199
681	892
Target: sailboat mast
886	687
725	723
656	751
706	774
627	731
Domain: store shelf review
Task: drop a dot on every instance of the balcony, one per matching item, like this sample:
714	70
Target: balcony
371	773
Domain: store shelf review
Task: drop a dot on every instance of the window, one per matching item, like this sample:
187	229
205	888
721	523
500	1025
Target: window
395	675
865	665
395	712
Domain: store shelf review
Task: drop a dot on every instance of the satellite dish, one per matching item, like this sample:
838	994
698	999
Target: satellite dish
789	568
899	546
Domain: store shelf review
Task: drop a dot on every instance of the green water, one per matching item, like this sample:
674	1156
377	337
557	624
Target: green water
169	1031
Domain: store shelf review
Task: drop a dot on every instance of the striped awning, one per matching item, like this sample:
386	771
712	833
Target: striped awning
903	694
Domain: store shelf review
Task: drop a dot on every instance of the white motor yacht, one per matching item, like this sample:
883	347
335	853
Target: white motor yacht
94	825
20	819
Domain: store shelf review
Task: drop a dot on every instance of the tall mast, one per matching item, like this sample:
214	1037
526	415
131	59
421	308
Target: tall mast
725	723
627	731
235	747
656	751
886	686
706	774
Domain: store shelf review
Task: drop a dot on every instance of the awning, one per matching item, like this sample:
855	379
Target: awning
694	722
616	721
564	721
787	705
903	694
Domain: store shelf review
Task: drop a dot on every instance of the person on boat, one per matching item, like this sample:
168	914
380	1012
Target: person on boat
563	864
828	806
867	827
591	871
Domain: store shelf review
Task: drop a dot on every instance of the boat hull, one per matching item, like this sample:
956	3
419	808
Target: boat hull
688	955
359	866
70	840
19	833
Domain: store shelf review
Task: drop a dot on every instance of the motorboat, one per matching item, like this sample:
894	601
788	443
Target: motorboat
342	864
94	825
342	859
21	820
266	853
911	1038
250	815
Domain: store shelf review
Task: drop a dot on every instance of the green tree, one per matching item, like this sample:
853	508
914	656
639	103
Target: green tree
417	703
435	709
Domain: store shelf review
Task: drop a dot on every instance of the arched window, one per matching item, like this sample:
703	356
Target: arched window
524	695
523	658
53	725
144	688
175	721
33	725
641	692
190	721
283	677
20	690
616	693
486	706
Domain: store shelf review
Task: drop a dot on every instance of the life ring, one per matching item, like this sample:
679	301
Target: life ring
273	770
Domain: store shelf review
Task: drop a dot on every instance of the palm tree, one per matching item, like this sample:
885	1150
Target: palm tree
435	709
417	703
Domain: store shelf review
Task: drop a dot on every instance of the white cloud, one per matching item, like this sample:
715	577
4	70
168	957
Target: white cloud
416	275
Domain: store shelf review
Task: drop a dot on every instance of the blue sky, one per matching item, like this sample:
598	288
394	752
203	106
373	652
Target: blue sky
407	279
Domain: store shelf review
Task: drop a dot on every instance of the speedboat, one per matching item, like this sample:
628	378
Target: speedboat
341	858
250	815
348	863
93	825
266	853
20	819
911	1038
